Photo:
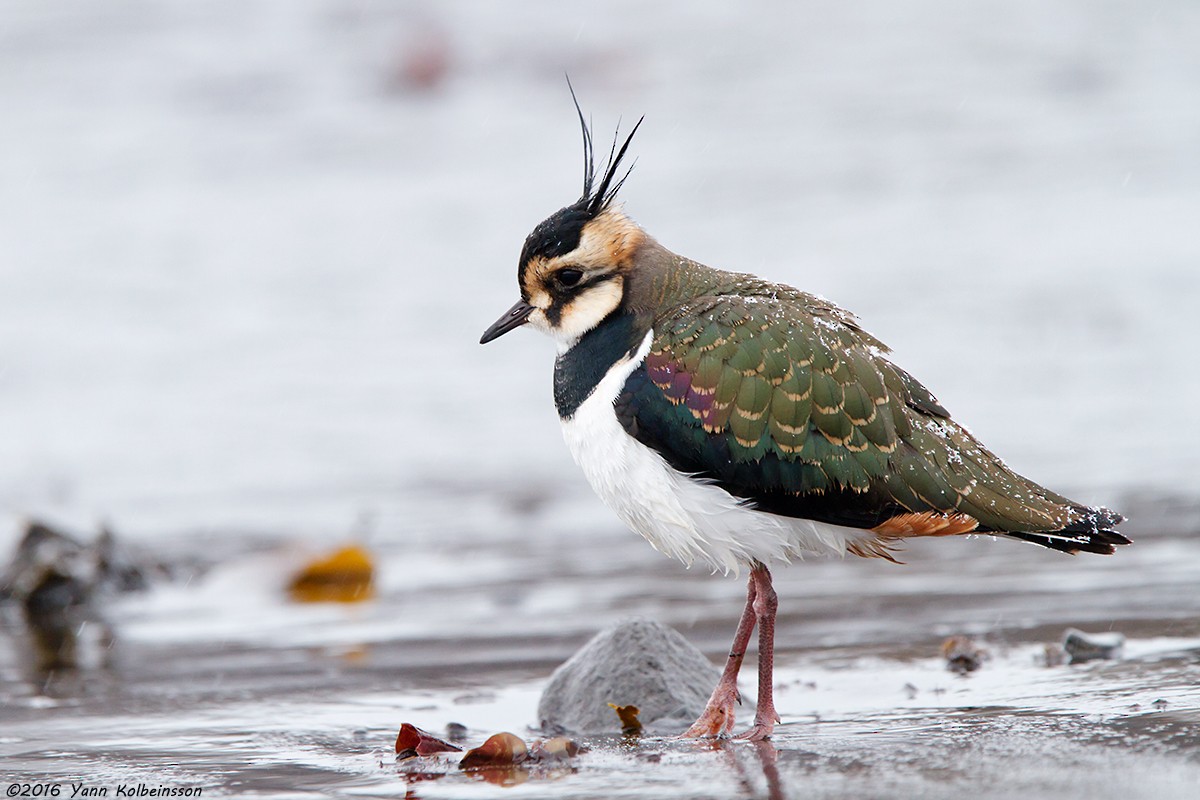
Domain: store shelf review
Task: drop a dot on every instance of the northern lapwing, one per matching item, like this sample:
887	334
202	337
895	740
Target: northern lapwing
736	422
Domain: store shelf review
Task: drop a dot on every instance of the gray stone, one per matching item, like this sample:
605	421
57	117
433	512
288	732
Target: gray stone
637	662
1082	646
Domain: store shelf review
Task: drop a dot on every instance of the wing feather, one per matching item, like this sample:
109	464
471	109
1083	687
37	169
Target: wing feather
783	400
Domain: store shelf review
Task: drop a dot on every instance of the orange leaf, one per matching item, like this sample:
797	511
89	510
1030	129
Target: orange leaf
630	724
345	576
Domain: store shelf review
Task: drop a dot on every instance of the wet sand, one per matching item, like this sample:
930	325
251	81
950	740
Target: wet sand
223	683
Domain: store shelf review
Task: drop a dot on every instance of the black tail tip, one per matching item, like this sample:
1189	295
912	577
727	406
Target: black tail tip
1091	533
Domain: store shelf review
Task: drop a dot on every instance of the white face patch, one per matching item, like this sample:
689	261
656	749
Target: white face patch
581	313
587	310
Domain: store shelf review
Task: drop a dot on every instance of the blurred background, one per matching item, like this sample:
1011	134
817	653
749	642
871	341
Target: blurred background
247	248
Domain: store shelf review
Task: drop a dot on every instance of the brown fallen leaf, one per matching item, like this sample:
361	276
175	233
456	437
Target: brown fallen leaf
630	724
411	741
346	576
501	749
559	748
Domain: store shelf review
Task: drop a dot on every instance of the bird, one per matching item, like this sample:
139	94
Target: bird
744	424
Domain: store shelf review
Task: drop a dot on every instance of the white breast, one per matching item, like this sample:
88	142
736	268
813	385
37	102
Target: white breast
680	516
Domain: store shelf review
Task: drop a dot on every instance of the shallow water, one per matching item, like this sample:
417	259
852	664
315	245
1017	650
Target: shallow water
302	700
246	266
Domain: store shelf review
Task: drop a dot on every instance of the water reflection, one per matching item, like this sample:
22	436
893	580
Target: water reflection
426	770
748	768
753	765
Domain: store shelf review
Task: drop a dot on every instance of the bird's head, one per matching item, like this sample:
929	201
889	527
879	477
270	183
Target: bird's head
574	266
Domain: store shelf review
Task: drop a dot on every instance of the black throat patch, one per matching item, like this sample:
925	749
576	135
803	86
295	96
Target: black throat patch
578	371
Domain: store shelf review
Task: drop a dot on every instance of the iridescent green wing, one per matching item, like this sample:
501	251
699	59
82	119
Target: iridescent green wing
783	400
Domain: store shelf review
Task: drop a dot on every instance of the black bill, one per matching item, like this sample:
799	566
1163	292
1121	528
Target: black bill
515	317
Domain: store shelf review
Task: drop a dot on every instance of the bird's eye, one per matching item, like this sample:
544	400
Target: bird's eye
568	277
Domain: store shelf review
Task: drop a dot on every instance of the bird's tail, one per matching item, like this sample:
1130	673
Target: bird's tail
1091	532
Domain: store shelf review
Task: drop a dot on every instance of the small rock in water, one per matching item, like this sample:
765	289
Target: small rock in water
60	582
1082	646
501	749
1053	655
963	655
47	556
117	566
559	748
635	663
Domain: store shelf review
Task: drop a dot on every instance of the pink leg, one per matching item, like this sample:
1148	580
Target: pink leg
717	719
765	604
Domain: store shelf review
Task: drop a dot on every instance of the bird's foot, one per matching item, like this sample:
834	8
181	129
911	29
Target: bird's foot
715	722
759	732
764	725
717	719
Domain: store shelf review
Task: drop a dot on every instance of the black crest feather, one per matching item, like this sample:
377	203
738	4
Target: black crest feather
559	233
596	198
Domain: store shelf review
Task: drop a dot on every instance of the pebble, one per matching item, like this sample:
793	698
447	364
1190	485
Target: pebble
640	663
1082	646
